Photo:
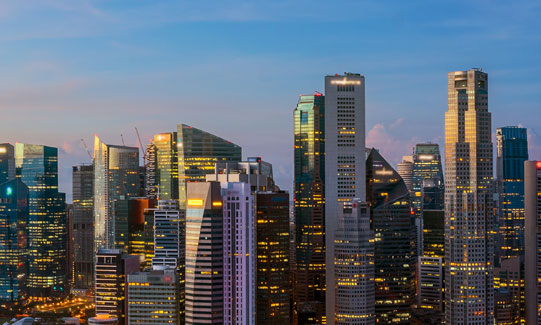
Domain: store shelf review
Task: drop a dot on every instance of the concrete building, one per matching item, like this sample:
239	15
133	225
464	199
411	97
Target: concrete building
354	266
405	170
469	243
204	254
112	267
238	253
532	270
153	297
344	160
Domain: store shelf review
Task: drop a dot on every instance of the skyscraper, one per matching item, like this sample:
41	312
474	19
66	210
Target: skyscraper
153	297
532	210
7	162
272	252
83	225
394	240
427	167
112	267
204	254
116	175
198	152
344	160
37	167
469	246
405	170
238	253
13	240
309	201
151	185
167	165
354	265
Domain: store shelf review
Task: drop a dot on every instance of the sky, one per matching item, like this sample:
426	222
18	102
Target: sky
72	69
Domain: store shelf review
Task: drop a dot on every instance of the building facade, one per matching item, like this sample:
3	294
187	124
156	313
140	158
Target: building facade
394	240
14	216
238	253
309	209
344	159
198	153
354	266
116	176
153	298
532	237
405	170
204	254
37	168
167	165
7	162
83	226
469	243
112	267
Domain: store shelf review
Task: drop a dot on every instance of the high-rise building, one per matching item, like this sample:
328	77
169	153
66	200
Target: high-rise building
198	152
394	240
508	285
153	298
111	269
344	160
129	227
116	176
405	170
238	253
83	226
309	210
273	292
7	162
37	167
469	243
512	152
204	254
13	239
354	265
167	165
151	185
532	243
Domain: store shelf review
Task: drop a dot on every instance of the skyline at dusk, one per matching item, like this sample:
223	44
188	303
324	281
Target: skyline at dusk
75	69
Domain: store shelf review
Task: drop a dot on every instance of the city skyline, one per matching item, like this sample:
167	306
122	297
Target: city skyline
165	70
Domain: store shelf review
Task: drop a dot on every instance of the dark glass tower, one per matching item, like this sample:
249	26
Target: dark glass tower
309	199
198	152
13	240
83	225
394	227
7	162
37	167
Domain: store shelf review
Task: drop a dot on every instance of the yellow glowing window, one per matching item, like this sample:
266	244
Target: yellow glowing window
217	204
195	202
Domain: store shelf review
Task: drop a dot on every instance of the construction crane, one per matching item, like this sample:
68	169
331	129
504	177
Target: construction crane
143	151
122	138
86	148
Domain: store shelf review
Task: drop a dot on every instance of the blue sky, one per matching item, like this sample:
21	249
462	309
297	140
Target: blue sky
69	69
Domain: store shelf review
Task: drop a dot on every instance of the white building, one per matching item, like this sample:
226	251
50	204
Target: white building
345	160
239	254
168	235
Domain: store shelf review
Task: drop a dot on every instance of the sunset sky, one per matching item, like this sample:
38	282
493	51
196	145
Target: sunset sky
70	69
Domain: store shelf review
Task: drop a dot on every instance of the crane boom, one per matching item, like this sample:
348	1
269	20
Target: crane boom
143	151
86	148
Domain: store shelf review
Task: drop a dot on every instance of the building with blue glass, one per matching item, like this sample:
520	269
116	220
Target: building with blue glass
13	240
37	168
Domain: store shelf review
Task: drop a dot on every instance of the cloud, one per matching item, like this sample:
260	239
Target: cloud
392	148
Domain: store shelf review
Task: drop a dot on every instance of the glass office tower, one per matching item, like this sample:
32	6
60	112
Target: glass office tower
37	167
7	162
426	165
394	231
83	225
13	240
309	200
116	176
198	152
166	165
